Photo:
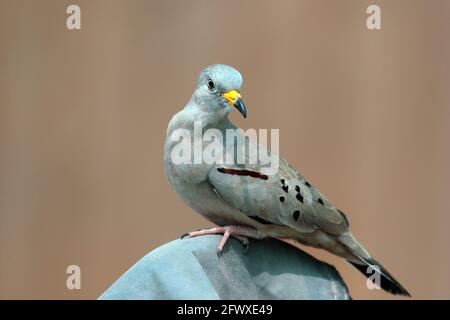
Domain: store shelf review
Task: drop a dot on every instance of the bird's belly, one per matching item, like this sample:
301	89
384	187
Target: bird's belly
202	198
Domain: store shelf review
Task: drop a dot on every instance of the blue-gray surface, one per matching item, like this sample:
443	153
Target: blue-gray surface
192	269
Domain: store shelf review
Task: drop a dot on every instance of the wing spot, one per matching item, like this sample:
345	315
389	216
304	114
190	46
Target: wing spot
307	184
285	188
248	173
320	201
299	197
282	181
297	188
282	199
296	215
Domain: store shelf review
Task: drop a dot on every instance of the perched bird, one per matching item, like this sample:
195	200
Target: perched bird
243	200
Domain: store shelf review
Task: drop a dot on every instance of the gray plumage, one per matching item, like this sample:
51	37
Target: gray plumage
281	205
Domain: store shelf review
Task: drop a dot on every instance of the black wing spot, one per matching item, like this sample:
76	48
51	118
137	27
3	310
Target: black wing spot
307	184
285	188
299	197
297	188
296	215
320	201
283	181
282	199
248	173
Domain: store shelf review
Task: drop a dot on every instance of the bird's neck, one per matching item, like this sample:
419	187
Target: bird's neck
209	117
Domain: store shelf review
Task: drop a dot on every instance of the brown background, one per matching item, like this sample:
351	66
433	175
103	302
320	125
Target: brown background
363	114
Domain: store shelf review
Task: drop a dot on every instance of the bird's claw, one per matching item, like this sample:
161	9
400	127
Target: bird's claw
244	241
189	234
239	232
184	235
246	246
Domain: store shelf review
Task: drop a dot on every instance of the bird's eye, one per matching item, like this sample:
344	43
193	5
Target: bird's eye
211	84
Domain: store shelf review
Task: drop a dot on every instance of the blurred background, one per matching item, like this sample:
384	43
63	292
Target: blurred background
364	115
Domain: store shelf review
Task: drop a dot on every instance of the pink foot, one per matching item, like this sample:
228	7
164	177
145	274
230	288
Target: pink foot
239	232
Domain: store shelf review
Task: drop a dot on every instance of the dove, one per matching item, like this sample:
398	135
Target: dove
245	202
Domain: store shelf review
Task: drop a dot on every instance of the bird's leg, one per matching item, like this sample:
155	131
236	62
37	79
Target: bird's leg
239	232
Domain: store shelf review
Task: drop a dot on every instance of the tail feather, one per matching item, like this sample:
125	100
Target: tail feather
361	260
387	281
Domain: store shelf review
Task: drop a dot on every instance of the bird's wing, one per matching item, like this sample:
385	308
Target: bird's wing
284	198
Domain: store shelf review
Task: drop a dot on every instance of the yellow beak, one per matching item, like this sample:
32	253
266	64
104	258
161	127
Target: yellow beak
234	98
231	96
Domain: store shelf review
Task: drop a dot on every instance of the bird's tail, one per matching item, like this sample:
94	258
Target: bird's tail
369	267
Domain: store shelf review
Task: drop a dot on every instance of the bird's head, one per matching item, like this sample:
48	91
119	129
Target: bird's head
217	90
